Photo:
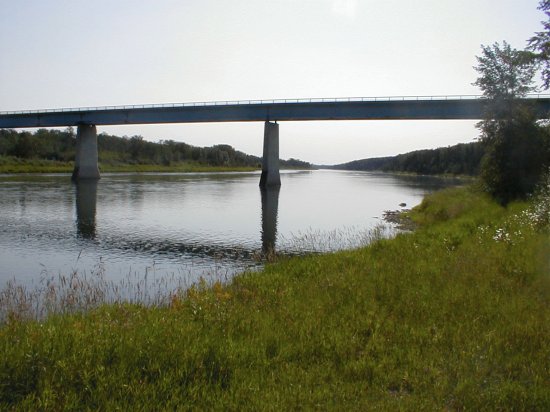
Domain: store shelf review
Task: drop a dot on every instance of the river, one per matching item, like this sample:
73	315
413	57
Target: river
187	226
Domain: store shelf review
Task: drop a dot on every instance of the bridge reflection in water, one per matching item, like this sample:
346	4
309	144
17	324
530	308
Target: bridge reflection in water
270	206
86	210
86	203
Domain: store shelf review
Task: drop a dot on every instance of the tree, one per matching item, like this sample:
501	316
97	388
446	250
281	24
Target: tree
505	73
137	145
539	44
25	146
514	142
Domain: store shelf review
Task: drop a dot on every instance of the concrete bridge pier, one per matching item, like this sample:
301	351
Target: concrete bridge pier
85	162
270	163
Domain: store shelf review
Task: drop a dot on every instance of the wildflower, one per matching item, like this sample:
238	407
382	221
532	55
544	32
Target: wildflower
501	235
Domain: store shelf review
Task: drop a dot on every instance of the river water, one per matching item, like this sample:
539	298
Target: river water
187	226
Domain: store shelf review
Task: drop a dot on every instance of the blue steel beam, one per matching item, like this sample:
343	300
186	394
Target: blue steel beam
471	108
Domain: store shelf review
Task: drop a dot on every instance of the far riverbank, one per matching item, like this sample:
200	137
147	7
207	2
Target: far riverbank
13	165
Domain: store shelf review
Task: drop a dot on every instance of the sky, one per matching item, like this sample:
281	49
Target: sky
75	53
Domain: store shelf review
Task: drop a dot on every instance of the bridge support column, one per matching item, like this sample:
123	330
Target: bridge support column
85	161
270	162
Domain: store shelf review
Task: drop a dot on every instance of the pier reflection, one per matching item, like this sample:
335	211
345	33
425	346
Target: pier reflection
270	206
86	201
86	214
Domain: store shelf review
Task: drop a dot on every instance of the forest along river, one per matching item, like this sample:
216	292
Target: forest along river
180	227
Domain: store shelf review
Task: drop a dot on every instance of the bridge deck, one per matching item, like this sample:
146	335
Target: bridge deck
403	108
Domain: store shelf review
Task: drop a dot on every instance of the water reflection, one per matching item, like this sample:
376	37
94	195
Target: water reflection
187	225
270	206
86	201
86	211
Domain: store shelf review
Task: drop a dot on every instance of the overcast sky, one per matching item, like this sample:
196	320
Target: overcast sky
73	53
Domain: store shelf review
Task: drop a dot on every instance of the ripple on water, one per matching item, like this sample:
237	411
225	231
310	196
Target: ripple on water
184	223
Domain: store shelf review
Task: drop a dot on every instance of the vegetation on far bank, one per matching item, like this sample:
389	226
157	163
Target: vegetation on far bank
460	159
14	165
53	151
454	316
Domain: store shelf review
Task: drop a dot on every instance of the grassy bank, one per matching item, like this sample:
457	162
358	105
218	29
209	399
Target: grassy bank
9	164
455	316
17	165
174	168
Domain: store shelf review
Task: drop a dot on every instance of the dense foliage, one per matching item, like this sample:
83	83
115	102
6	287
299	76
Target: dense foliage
60	146
539	44
43	144
517	146
461	159
452	317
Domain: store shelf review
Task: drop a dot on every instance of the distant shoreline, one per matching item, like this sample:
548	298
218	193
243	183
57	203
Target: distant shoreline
18	166
24	166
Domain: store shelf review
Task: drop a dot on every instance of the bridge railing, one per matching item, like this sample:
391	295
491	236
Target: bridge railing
260	102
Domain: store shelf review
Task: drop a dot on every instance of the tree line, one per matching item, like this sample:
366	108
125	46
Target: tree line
60	145
461	159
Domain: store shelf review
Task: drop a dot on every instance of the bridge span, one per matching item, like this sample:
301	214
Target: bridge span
268	111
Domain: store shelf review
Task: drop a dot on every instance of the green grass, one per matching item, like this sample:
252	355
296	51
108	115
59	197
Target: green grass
454	316
9	164
13	165
175	168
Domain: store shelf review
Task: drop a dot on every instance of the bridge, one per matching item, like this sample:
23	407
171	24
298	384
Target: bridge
268	111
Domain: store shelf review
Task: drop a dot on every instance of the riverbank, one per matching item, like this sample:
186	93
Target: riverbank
13	165
453	316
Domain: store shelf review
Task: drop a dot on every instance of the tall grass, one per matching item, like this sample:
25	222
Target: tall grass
80	291
83	291
313	241
454	316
